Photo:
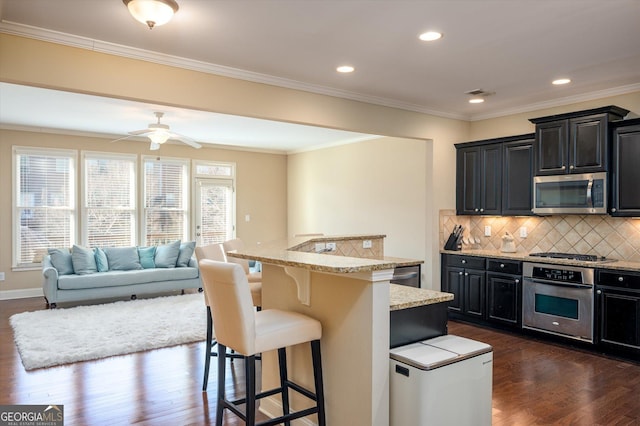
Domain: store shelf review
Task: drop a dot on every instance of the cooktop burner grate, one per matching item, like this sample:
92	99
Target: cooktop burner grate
571	256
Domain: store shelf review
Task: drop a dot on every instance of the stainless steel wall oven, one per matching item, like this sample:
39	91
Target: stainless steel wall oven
558	299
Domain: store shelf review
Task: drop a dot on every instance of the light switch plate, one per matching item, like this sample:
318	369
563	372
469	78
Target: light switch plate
366	244
523	232
1	276
487	230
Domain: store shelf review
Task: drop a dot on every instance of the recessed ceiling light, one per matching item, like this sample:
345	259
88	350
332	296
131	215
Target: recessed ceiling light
561	81
345	69
430	36
476	100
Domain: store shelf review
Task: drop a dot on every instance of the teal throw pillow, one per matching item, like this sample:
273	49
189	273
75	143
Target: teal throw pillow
186	251
84	260
101	260
61	260
167	255
147	255
122	258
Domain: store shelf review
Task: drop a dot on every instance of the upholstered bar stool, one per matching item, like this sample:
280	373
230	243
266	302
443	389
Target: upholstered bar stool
240	327
213	252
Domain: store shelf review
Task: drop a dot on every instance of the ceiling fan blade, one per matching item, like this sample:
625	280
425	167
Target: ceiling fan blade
139	132
121	139
186	139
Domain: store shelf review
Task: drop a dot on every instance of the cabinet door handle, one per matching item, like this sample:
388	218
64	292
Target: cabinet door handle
502	265
459	273
613	210
563	167
466	274
599	291
517	281
464	261
571	167
475	210
620	279
481	210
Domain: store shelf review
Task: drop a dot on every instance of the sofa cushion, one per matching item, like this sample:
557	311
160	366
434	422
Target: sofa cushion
84	260
147	255
167	255
61	260
122	258
121	278
102	264
186	252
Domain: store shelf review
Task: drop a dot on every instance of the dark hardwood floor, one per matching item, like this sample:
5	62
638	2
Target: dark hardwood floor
534	383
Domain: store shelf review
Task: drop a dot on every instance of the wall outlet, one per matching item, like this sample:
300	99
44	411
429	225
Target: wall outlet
523	232
247	218
320	247
331	247
366	244
487	231
1	276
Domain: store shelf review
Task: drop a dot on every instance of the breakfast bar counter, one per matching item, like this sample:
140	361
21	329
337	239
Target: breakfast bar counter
352	298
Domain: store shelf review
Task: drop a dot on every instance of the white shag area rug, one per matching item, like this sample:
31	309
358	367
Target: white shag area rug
61	336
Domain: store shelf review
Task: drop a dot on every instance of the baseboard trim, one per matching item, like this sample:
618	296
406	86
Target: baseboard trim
21	294
272	407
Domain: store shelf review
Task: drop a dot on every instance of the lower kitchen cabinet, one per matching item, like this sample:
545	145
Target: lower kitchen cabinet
504	292
618	302
464	277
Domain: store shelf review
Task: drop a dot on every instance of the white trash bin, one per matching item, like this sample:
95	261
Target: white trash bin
442	381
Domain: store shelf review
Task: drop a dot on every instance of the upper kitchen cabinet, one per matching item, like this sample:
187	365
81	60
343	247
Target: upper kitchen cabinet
625	170
478	179
517	176
574	142
495	176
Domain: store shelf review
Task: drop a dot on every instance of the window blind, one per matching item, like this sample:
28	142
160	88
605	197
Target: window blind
216	210
45	203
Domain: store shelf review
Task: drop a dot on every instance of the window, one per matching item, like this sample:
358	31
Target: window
165	200
214	202
109	202
44	203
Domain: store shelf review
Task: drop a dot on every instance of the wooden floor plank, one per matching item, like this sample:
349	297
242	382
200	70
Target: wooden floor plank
535	383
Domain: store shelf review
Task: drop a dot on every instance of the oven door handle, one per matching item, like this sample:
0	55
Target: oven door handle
557	283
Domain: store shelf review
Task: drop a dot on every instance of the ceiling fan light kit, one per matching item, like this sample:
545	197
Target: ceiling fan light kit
158	133
152	13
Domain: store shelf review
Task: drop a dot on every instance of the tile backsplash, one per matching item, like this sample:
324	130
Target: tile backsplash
602	235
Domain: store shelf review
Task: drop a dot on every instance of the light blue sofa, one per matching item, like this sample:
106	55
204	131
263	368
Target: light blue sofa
64	283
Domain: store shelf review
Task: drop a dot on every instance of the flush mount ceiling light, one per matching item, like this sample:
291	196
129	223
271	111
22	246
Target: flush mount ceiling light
561	81
430	36
345	69
152	12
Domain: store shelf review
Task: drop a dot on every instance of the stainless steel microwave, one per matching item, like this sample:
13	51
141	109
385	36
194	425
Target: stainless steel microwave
570	194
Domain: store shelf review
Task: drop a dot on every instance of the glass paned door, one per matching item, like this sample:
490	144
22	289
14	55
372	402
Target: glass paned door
214	211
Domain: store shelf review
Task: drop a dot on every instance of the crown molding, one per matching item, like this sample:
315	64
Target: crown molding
615	91
57	37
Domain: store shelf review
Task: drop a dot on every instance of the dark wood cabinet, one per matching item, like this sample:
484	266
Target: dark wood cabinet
464	277
495	176
517	176
479	180
625	170
576	142
504	292
618	303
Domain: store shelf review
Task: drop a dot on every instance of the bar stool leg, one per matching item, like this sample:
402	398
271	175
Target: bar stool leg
207	361
317	376
221	381
282	361
250	380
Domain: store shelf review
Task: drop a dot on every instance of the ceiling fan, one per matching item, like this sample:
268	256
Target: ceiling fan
159	133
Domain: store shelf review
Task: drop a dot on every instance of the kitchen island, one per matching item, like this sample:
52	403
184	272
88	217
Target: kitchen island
352	298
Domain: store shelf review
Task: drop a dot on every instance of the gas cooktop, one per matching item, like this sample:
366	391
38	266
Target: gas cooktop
572	256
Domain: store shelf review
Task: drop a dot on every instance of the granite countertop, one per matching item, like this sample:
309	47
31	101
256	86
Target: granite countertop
621	265
282	253
403	297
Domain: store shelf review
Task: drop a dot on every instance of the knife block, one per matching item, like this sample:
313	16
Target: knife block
452	243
